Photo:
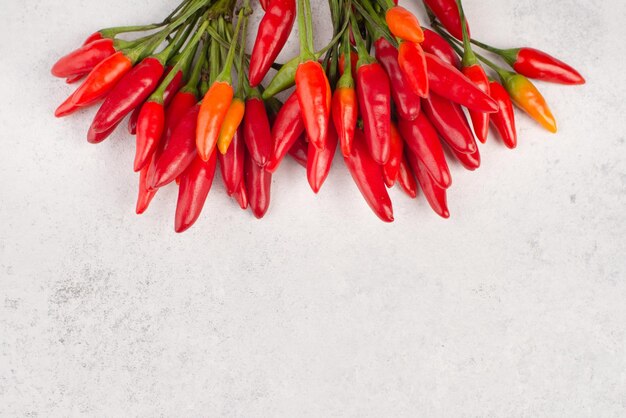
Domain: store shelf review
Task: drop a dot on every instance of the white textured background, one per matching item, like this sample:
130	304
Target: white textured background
514	307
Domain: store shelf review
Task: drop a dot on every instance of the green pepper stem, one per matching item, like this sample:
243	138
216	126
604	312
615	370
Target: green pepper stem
226	74
469	58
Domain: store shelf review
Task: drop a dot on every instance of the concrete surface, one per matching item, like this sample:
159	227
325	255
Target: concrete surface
513	308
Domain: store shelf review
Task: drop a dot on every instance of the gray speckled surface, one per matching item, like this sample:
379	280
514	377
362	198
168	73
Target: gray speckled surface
515	307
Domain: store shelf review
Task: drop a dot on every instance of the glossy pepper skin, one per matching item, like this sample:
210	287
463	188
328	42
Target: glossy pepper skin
504	119
84	59
145	194
439	47
231	123
480	120
150	126
287	128
314	97
299	151
392	167
526	96
450	83
471	161
423	141
414	67
179	151
449	120
94	137
374	95
319	161
97	84
257	132
448	14
368	176
406	100
232	164
258	187
404	25
344	115
435	194
195	185
241	196
406	179
273	32
129	93
539	65
213	109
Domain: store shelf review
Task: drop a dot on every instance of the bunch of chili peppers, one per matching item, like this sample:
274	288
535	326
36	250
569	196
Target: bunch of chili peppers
390	94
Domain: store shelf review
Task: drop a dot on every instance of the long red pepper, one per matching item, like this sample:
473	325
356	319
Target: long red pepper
392	167
84	59
439	47
150	124
258	187
406	179
406	101
257	132
195	185
344	112
314	96
421	137
274	30
504	119
435	194
287	128
449	120
447	81
414	67
448	14
232	163
319	161
368	176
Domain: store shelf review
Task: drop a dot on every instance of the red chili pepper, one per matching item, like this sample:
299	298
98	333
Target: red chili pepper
299	151
320	161
525	95
314	96
215	105
344	112
439	47
179	151
404	25
414	67
287	128
97	84
258	187
257	132
539	65
195	185
470	161
241	196
150	126
232	163
407	102
181	103
480	120
374	91
449	120
84	59
145	195
130	92
392	167
435	194
503	120
354	58
368	176
448	82
94	137
448	14
406	179
273	32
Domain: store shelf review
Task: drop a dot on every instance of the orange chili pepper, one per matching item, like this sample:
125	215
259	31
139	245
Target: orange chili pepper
526	96
404	25
212	113
231	123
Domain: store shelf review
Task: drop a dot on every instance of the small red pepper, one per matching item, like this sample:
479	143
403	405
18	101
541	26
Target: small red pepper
257	132
273	32
195	185
232	163
320	161
480	120
368	176
435	194
439	47
414	67
406	179
151	122
314	96
181	103
344	112
448	14
404	25
421	137
392	167
406	101
536	64
98	83
258	187
287	128
84	59
504	119
299	151
449	120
